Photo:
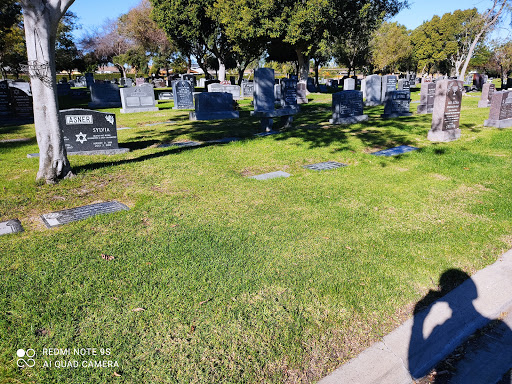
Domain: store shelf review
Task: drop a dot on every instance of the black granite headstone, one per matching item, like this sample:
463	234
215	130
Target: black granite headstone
87	130
21	103
182	91
5	99
397	104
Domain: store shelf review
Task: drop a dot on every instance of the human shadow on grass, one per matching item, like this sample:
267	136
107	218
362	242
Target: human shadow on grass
432	339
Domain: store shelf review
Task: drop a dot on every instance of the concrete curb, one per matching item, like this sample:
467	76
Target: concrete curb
449	321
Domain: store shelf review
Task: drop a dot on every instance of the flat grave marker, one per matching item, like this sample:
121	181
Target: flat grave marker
66	216
10	226
395	151
324	166
270	175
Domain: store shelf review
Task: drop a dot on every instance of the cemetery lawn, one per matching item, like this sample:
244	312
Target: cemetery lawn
212	277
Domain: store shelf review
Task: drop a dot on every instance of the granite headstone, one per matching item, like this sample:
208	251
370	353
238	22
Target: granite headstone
183	91
488	90
213	106
138	99
388	85
500	115
373	90
446	113
427	97
105	96
347	107
397	104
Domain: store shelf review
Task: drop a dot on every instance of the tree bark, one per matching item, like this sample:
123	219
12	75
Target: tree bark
303	64
41	18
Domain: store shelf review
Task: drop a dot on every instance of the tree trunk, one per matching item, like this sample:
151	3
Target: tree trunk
189	64
303	64
317	65
241	70
41	18
222	70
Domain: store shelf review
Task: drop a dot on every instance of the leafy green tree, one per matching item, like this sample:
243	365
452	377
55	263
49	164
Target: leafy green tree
391	48
303	24
193	26
67	55
12	42
501	58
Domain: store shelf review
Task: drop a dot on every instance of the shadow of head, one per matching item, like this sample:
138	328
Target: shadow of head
452	278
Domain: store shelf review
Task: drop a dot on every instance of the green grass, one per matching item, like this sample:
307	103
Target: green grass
243	281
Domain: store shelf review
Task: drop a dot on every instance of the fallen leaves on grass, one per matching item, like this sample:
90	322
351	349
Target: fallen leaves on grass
107	257
138	309
117	374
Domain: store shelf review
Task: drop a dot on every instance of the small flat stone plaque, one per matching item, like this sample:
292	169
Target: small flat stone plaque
263	134
395	151
66	216
10	226
271	175
181	144
325	166
225	140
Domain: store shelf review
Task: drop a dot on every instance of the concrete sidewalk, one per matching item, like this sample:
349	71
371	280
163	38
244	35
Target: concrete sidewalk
410	351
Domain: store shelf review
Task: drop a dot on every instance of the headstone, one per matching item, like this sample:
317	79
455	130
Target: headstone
213	106
5	99
427	97
21	103
488	90
373	88
23	85
208	82
302	92
79	94
293	77
349	84
201	82
264	100
128	82
232	80
89	132
446	114
397	104
277	93
388	85
363	88
63	89
10	226
105	96
404	85
322	88
66	216
347	108
138	99
182	91
139	81
311	87
288	92
159	83
509	83
247	88
190	78
165	95
500	115
89	79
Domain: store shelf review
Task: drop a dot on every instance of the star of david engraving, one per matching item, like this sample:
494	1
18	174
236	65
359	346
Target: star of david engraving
81	137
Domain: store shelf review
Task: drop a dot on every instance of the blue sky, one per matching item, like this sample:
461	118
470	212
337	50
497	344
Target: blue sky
93	13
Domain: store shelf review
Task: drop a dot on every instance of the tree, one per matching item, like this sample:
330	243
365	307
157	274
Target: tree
489	19
12	43
501	58
303	24
67	55
41	20
193	26
107	43
391	47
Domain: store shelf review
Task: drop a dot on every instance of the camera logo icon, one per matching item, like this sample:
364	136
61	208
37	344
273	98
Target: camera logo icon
25	358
